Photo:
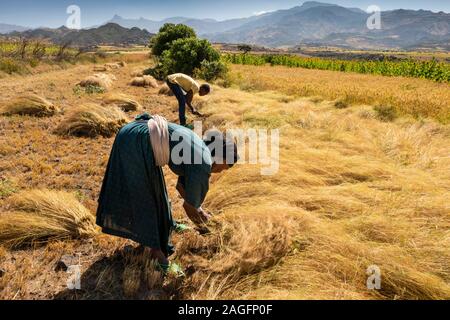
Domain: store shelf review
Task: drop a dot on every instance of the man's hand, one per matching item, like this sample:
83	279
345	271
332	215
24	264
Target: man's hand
189	98
195	112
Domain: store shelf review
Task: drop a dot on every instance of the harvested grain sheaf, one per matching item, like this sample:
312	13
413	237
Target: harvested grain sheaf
32	105
112	66
122	101
39	216
91	120
102	80
100	69
137	73
165	90
144	81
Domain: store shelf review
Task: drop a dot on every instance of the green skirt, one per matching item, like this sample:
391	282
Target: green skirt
133	202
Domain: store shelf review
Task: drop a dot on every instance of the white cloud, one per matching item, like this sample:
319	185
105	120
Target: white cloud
260	13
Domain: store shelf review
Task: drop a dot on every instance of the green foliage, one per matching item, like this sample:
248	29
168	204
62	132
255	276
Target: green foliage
432	70
10	66
34	62
167	35
245	48
6	188
341	104
211	70
18	56
187	55
386	113
90	89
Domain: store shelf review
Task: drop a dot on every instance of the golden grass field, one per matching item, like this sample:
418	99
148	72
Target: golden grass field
417	97
352	192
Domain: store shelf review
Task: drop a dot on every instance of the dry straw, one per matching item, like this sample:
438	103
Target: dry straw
90	120
137	73
165	90
144	81
101	80
31	104
39	216
122	101
350	193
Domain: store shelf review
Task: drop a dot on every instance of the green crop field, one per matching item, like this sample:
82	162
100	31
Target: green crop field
432	70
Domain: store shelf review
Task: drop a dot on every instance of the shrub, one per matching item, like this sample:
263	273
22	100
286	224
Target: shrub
245	48
9	66
341	104
386	113
211	70
167	35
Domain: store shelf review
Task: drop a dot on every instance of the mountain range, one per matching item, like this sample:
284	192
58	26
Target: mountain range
108	34
312	23
318	23
7	28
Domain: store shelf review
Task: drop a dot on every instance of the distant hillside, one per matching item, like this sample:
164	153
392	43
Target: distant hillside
201	26
7	28
326	24
406	29
312	23
109	34
317	23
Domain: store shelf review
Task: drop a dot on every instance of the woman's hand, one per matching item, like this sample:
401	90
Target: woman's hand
204	216
197	216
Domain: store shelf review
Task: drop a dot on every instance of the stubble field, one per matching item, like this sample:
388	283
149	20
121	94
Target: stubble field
352	191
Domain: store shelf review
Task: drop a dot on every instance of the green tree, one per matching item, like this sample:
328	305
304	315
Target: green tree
168	34
188	56
245	48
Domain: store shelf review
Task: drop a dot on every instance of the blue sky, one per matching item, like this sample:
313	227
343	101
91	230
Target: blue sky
52	13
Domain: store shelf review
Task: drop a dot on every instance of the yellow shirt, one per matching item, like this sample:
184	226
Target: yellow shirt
185	82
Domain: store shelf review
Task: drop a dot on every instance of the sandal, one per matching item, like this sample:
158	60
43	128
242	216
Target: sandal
172	269
181	228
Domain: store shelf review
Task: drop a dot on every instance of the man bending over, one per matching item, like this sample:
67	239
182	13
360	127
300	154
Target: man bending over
184	89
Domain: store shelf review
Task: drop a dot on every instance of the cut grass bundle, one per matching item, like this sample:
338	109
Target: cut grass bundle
101	80
137	73
144	81
39	216
112	66
165	90
122	101
32	105
100	69
91	120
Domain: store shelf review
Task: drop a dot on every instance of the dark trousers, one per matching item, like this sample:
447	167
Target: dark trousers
179	94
